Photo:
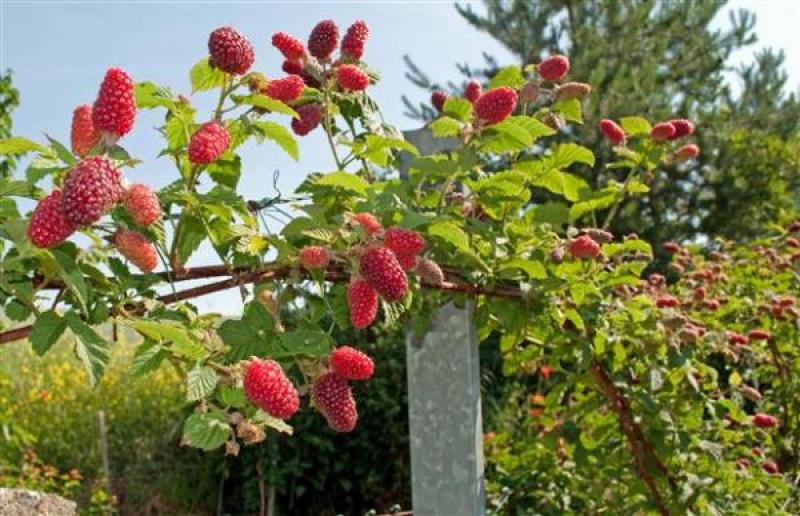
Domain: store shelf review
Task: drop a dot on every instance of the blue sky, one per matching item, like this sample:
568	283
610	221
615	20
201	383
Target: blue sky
59	52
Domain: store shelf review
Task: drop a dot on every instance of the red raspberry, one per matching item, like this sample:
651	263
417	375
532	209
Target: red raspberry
612	131
230	51
672	247
553	68
404	241
310	117
765	421
496	105
353	41
83	136
688	151
368	222
792	242
293	67
351	364
137	249
208	143
769	466
406	261
662	131
114	110
334	399
314	257
350	77
682	127
429	271
438	99
473	91
656	279
91	189
667	302
291	47
572	90
712	304
363	302
268	388
759	335
699	294
584	247
737	339
323	39
286	89
142	204
794	227
48	226
380	268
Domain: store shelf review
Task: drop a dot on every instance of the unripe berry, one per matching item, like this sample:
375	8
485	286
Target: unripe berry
553	68
687	152
529	92
572	90
314	257
429	271
368	222
230	51
137	249
142	204
612	131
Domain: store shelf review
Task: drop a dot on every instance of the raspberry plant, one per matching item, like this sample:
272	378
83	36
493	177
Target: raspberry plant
653	395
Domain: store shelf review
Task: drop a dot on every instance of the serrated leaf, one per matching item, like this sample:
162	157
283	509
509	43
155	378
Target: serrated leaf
554	213
510	76
458	108
570	109
182	343
635	125
264	102
46	330
10	188
344	181
264	419
561	183
206	431
200	382
379	148
204	77
445	126
306	342
280	135
72	275
90	348
147	358
534	269
18	145
569	153
450	233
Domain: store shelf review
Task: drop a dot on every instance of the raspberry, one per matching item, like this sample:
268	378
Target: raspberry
765	421
137	249
688	151
91	188
353	41
759	335
672	247
769	466
583	247
268	388
553	68
572	90
712	304
750	393
363	302
334	399
404	241
794	227
368	222
662	131
314	257
473	91
351	364
737	339
291	47
83	136
323	39
667	302
230	51
496	105
114	110
792	242
208	143
429	271
142	204
286	89
310	116
48	226
293	67
380	268
682	127
438	99
406	261
350	77
612	131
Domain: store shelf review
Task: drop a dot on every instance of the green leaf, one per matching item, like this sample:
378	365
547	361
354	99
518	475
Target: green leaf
90	348
571	109
534	269
46	330
569	153
634	125
280	135
147	358
62	152
192	234
72	275
264	102
206	431
344	181
182	343
561	183
15	188
450	233
149	95
307	342
262	418
204	77
555	213
445	126
379	148
510	76
200	382
458	108
18	145
249	335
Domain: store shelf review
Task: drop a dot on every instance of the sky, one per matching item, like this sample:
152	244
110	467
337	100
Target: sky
59	52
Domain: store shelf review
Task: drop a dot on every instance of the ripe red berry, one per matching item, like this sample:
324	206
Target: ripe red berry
553	68
137	249
612	131
769	466
310	117
362	300
91	189
662	131
759	335
688	151
584	247
737	339
672	247
293	67
268	388
323	39
291	47
114	110
406	261
667	302
699	294
334	399
286	89
438	99
473	91
354	40
350	77
351	364
314	257
404	241
765	421
230	51
142	204
368	221
380	268
208	143
712	304
794	227
496	105
429	271
83	135
48	226
683	128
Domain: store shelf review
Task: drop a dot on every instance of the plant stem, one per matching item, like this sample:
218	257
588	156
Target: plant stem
615	208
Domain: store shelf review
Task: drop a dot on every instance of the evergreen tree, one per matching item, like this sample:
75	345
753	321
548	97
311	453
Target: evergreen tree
9	100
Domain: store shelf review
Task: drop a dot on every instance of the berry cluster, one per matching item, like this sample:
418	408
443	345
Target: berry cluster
660	133
331	391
